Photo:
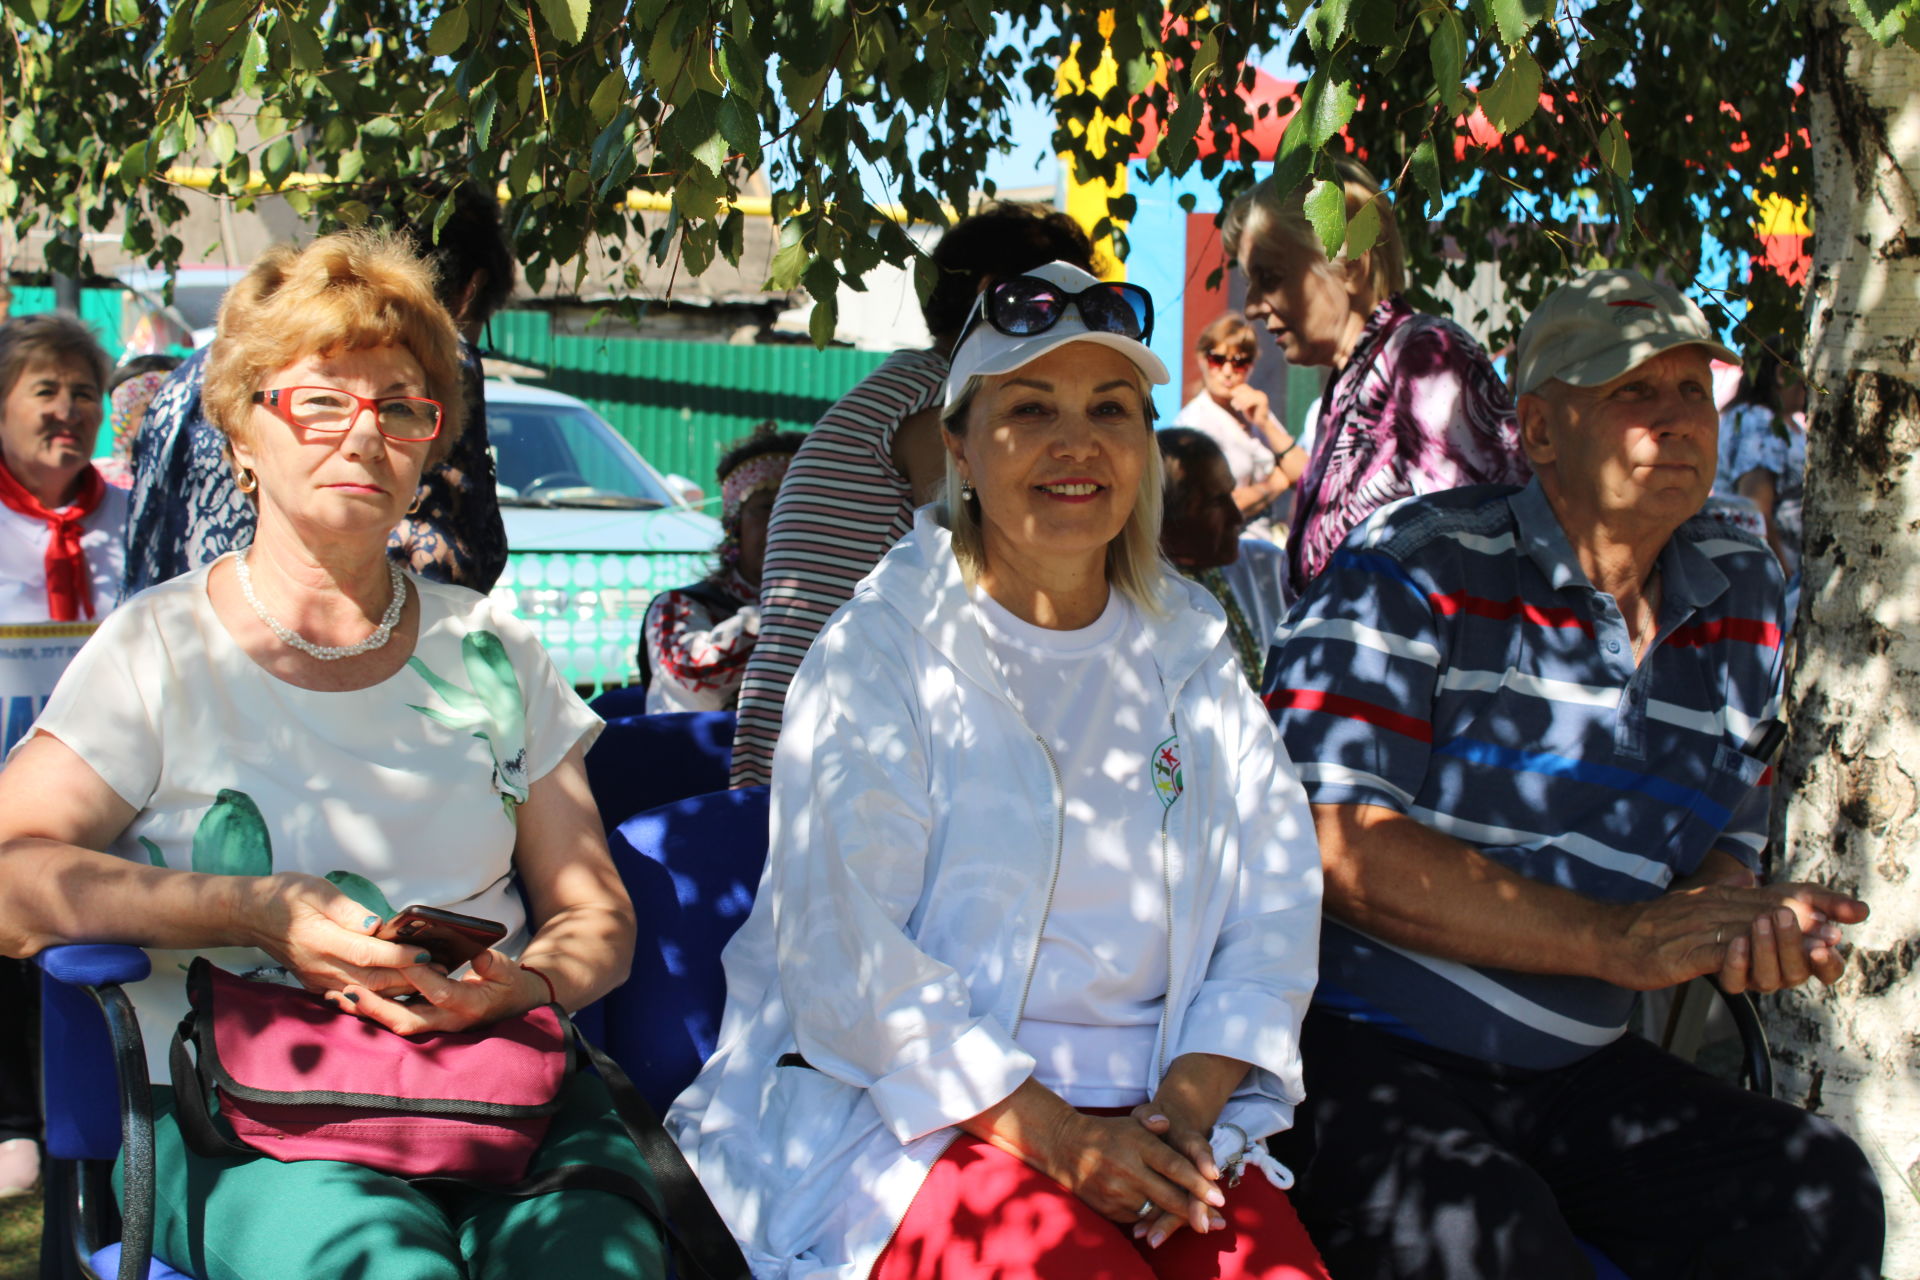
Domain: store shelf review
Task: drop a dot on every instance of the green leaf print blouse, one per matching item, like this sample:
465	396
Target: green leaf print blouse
406	792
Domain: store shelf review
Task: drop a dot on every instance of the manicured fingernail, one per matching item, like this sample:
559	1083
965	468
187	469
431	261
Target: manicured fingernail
1216	1222
1785	917
1139	1229
351	997
1157	1239
1215	1198
1763	926
1157	1118
369	922
423	958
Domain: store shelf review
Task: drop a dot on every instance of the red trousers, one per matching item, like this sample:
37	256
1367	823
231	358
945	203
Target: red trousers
983	1214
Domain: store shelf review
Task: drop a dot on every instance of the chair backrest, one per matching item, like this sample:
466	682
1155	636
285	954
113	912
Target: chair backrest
691	868
629	700
79	1090
643	762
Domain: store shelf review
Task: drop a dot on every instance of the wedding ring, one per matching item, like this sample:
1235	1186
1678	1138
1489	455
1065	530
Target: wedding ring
1146	1207
1720	930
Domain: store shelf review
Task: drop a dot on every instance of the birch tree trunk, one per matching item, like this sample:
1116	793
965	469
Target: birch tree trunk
1851	776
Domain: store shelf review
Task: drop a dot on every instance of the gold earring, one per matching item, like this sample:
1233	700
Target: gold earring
419	496
244	480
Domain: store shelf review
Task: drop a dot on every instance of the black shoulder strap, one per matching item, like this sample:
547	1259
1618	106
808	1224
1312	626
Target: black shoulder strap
705	1242
703	1246
190	1089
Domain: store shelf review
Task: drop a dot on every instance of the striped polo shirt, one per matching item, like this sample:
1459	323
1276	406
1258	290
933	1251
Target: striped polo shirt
842	504
1455	665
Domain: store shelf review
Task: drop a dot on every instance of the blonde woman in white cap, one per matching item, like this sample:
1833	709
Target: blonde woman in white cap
1020	991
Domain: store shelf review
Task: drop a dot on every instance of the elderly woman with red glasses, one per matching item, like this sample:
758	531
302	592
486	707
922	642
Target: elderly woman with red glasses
1263	456
1020	988
258	761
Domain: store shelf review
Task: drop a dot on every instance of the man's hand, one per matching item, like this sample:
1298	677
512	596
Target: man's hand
1758	939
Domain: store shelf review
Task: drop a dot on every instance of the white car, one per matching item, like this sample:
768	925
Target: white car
593	531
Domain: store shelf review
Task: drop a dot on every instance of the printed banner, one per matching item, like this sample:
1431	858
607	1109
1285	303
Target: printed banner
32	657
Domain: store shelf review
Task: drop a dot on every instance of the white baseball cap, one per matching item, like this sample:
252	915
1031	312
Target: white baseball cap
984	350
1607	322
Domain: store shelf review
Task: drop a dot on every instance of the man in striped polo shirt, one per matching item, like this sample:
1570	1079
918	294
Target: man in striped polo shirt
1535	724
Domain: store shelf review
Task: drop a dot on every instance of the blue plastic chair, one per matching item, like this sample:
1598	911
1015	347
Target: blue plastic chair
96	1098
629	700
642	762
692	868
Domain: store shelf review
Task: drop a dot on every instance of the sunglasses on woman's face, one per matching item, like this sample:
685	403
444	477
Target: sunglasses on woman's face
1026	305
1220	360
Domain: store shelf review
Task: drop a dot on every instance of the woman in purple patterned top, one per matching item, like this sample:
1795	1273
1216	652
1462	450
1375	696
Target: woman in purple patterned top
1414	405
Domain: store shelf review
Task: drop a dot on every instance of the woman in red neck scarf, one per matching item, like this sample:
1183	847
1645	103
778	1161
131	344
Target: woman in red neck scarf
61	530
61	525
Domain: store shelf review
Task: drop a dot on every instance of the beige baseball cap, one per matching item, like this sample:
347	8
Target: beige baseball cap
1607	322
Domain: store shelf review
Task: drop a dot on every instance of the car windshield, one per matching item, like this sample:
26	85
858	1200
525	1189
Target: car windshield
555	455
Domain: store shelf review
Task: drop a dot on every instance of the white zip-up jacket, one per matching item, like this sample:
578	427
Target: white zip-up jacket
916	828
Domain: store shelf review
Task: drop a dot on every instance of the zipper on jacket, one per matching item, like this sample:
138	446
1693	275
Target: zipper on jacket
1166	881
1053	881
1033	962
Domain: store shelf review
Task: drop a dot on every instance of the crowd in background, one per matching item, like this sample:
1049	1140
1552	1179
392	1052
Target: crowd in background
1131	788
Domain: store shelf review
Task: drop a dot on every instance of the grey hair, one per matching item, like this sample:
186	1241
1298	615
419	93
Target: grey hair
1134	563
1267	210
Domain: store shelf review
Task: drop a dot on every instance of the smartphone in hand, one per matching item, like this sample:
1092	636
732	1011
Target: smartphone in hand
449	937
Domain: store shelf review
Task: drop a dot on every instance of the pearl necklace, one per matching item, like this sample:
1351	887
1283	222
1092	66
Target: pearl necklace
327	653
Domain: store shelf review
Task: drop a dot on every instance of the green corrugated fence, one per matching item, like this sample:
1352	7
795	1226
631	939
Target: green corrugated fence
680	403
99	308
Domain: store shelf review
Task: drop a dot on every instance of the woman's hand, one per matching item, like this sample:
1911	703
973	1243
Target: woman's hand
322	936
1194	1144
1119	1167
494	988
1250	402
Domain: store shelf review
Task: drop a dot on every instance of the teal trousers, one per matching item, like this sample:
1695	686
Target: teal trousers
256	1218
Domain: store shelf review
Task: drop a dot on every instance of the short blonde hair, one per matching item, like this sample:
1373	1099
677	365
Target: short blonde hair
1267	210
1134	563
345	292
1230	330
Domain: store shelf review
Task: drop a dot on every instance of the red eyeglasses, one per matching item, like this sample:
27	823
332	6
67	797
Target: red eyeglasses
404	419
1218	361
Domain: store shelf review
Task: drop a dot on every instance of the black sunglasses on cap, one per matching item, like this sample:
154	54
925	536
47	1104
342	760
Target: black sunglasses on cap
1022	306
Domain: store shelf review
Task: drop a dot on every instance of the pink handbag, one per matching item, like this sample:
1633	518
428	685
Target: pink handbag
298	1080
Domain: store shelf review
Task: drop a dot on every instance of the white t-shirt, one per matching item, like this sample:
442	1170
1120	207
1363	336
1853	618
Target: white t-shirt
23	559
1259	581
1100	978
234	770
1248	457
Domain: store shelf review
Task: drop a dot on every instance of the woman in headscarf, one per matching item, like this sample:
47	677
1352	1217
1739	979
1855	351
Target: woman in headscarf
697	639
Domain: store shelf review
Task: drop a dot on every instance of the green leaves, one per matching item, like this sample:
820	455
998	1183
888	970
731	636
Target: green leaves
1512	98
449	31
567	18
1448	51
1326	210
826	105
1614	152
1887	20
1513	19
